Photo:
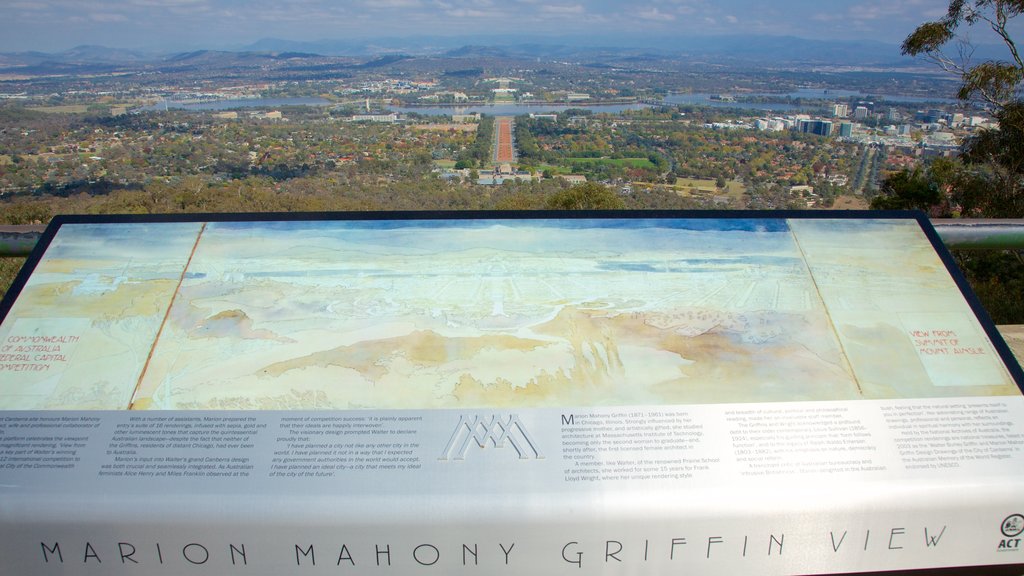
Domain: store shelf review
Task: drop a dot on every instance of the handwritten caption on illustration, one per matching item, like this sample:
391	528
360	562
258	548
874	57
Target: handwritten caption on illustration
942	343
35	353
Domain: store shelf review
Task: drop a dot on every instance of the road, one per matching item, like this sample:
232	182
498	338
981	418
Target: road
504	145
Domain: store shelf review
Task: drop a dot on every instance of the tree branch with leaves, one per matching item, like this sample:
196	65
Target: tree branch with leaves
994	82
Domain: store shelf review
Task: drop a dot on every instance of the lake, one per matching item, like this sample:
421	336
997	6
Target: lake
697	99
700	99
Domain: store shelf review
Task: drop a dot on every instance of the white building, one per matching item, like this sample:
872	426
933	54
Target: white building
383	118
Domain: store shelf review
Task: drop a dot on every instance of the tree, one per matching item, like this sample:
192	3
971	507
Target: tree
909	190
586	196
995	188
992	181
994	82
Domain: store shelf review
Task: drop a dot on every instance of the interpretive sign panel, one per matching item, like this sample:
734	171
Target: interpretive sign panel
777	393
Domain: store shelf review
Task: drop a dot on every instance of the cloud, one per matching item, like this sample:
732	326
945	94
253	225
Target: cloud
102	17
287	15
471	13
653	13
828	17
392	4
45	23
562	9
28	6
867	16
684	7
166	3
881	10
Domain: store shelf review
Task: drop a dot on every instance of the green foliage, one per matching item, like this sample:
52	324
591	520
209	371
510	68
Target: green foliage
992	184
995	186
998	280
586	196
9	268
520	200
928	37
997	81
479	152
27	212
994	82
909	190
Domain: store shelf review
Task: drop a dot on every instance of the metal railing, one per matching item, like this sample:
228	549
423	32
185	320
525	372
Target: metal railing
960	234
18	241
971	234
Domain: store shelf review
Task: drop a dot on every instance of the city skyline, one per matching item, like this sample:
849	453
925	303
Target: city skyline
167	25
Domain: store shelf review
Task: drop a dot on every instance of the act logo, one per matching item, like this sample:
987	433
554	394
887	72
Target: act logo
1011	528
491	432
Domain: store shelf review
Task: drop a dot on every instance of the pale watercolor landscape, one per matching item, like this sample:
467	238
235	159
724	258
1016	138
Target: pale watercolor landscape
423	314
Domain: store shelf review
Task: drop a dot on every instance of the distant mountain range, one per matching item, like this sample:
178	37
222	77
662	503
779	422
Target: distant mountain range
752	49
788	49
746	48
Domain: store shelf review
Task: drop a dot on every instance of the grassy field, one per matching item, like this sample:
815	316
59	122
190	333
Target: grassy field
70	109
621	162
851	203
115	108
707	186
699	187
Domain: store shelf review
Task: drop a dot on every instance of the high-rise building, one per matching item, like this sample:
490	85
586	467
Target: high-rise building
819	127
840	110
860	112
846	129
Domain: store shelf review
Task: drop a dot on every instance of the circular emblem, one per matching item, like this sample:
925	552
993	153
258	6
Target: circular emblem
1013	525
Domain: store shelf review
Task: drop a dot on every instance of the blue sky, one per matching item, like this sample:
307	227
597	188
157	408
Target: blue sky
52	25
